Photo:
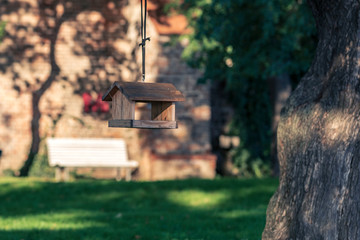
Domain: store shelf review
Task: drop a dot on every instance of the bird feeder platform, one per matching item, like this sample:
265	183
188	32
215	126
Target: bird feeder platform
161	96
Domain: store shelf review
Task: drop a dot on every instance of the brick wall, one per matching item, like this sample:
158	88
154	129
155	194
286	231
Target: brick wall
93	45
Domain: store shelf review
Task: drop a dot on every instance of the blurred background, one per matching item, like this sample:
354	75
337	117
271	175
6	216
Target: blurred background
235	61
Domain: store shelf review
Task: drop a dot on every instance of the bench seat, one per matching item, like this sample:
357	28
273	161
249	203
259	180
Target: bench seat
89	152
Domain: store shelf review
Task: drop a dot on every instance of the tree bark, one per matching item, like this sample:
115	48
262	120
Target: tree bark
318	136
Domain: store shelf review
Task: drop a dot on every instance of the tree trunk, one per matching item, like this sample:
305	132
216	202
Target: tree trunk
318	136
36	97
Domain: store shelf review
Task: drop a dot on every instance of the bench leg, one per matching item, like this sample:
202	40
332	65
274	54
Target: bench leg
62	174
66	174
58	174
118	174
128	174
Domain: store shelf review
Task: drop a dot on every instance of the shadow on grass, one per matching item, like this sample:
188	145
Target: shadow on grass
190	209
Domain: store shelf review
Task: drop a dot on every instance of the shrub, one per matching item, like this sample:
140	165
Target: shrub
41	168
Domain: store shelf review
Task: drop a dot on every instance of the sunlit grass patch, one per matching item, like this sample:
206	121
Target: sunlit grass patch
197	199
52	221
189	209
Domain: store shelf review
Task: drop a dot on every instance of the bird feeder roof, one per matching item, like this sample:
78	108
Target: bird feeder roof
145	92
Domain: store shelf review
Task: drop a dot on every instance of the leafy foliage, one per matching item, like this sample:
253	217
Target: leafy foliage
2	30
243	44
8	173
41	168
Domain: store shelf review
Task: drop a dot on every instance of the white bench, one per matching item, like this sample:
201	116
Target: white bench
90	152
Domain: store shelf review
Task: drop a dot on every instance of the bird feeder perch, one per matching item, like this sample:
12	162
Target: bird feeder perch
161	96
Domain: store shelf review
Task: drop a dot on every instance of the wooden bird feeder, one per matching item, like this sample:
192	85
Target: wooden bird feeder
161	96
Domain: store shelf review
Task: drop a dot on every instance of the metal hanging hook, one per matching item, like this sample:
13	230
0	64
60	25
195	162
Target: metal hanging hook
143	36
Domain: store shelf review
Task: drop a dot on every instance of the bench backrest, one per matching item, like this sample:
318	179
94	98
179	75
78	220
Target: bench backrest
92	152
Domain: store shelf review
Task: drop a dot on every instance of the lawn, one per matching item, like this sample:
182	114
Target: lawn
221	209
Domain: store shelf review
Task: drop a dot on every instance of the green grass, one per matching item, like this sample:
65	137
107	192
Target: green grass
174	210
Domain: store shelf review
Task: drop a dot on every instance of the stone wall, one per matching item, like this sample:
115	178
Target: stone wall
55	51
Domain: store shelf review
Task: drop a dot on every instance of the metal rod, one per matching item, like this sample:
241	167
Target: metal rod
144	40
142	20
145	19
143	36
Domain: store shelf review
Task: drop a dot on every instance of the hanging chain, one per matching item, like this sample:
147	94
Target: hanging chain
143	36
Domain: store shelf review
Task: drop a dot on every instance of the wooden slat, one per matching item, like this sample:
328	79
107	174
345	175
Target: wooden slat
156	96
117	105
122	107
147	124
110	93
163	111
146	86
129	164
140	91
155	124
128	110
120	123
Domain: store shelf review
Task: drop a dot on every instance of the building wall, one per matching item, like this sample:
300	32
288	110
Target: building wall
93	45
